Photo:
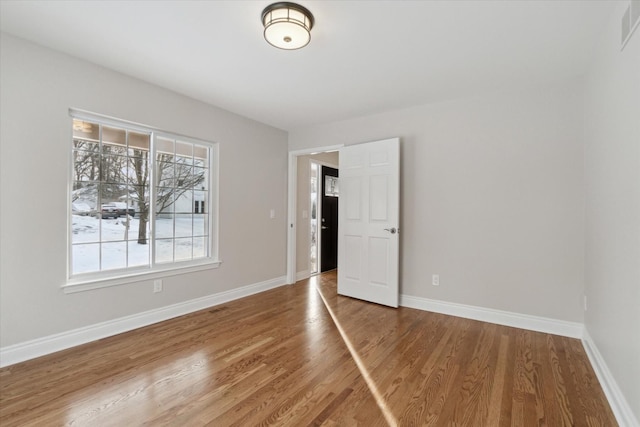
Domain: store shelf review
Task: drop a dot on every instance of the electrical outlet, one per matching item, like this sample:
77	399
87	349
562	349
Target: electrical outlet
157	286
435	280
585	303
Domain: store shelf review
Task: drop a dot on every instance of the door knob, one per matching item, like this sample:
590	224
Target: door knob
324	227
391	230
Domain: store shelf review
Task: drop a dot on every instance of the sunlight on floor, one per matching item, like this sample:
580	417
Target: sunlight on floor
382	404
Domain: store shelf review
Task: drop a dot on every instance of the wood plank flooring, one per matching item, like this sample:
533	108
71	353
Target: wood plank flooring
278	358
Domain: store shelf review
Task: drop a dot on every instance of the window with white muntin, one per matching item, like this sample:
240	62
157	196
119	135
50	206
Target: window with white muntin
142	200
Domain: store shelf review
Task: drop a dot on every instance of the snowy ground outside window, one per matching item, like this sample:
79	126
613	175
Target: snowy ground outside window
108	242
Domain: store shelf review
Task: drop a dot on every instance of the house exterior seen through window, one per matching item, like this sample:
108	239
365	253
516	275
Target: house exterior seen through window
141	199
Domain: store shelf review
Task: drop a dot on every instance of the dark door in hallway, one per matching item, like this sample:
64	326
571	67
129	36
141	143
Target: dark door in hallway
329	219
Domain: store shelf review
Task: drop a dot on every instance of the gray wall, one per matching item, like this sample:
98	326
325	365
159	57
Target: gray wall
492	197
612	172
38	87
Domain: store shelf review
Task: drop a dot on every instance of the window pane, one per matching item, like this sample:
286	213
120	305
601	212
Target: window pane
139	143
114	229
138	254
112	138
164	146
85	229
164	200
201	197
184	249
138	198
86	145
113	168
86	258
111	192
131	227
127	203
184	201
200	225
183	177
134	229
84	198
164	250
331	186
164	225
165	172
200	155
199	247
184	153
86	130
86	164
200	179
113	149
114	255
138	169
184	225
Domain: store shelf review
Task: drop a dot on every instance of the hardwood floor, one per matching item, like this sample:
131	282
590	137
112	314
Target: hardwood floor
278	358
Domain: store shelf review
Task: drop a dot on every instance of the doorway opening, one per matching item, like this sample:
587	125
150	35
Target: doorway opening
304	255
314	229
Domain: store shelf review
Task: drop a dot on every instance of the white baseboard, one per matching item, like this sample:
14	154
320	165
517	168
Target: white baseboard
507	318
302	275
39	347
619	405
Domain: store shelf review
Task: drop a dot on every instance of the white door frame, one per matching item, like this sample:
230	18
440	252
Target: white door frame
292	189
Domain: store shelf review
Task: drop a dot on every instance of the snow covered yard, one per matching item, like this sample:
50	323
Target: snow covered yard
105	244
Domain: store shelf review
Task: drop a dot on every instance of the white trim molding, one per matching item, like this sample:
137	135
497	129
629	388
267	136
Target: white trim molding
87	285
500	317
619	405
50	344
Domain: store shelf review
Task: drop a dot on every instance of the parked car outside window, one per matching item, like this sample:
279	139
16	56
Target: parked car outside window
124	210
78	208
109	210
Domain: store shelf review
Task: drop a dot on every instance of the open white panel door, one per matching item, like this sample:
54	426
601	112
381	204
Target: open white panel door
368	218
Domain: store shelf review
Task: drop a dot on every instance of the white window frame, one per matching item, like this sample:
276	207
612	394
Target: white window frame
101	279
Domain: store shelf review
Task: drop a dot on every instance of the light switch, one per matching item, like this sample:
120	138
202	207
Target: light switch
305	214
272	213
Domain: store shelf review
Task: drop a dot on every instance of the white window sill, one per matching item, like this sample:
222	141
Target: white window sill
87	284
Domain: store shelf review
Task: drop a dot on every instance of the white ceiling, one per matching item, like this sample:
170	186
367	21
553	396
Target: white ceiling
364	56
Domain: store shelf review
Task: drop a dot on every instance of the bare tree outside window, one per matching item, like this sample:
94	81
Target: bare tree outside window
112	192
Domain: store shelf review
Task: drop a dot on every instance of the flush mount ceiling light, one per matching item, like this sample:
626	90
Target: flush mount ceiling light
287	25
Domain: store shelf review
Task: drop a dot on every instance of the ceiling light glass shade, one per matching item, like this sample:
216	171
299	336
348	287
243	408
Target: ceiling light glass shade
287	25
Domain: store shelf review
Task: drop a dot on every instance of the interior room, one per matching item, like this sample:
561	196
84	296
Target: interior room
162	232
